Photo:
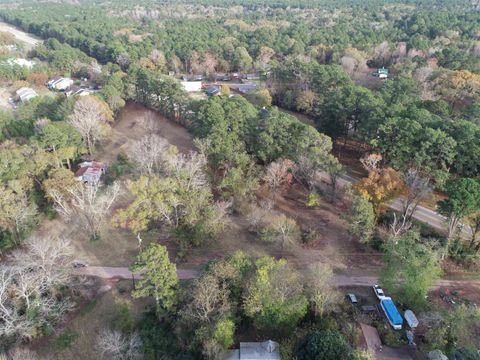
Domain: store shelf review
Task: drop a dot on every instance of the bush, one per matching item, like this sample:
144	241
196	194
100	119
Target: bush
159	341
390	337
122	319
65	339
224	332
323	345
313	200
463	253
50	212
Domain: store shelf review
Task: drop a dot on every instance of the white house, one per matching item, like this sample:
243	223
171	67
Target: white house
192	86
26	94
60	83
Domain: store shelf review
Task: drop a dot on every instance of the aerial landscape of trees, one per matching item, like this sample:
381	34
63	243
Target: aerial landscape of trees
226	219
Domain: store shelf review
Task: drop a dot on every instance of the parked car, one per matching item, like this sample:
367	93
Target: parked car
351	298
378	292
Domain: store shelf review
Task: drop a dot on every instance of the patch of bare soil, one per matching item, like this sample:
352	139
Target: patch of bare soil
135	121
28	39
5	94
453	296
333	245
364	77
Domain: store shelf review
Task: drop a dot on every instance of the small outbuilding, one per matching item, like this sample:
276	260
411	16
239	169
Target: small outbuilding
90	172
247	88
267	350
192	86
75	90
212	90
411	319
60	83
436	355
25	94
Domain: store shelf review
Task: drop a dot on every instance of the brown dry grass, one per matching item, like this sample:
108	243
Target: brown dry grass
91	319
333	244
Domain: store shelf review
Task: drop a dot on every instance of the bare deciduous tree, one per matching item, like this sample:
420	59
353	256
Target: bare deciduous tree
149	153
209	300
90	117
113	344
28	283
371	162
189	169
279	174
22	353
417	189
16	213
88	202
255	217
286	231
323	294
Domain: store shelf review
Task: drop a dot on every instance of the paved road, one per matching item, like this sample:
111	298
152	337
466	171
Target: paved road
422	213
186	274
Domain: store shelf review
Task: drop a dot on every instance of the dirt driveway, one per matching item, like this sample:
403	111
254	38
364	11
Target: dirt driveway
20	35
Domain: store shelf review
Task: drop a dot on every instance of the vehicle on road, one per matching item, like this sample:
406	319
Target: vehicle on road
378	292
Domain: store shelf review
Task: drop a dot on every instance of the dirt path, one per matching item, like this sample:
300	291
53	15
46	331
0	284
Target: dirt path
382	352
20	35
184	274
106	272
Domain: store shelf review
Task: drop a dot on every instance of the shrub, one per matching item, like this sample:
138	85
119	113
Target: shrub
323	345
65	339
122	319
313	200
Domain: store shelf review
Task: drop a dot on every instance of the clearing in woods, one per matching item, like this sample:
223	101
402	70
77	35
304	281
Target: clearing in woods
118	247
30	40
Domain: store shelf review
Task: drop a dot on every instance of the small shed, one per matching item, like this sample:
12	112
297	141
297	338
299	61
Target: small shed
411	319
436	355
26	94
192	86
212	90
90	172
267	350
247	88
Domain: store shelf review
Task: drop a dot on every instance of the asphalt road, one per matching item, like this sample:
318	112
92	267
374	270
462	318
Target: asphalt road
423	214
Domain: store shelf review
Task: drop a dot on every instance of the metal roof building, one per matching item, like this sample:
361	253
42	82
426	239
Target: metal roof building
267	350
26	94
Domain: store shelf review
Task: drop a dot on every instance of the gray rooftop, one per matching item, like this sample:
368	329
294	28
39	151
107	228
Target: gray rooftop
267	350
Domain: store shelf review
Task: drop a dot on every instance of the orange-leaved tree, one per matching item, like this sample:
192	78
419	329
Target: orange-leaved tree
380	187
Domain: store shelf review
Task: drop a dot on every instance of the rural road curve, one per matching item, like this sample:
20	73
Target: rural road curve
422	213
186	274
